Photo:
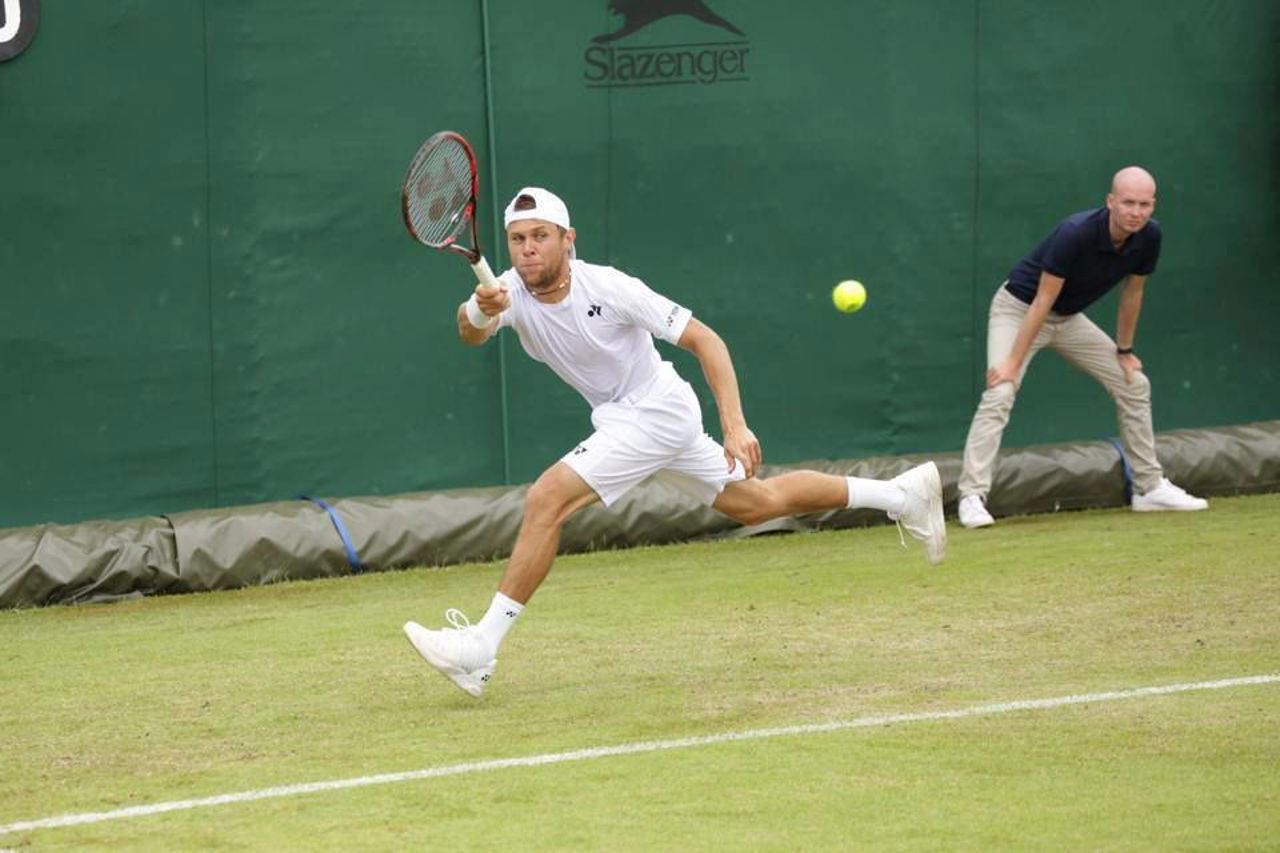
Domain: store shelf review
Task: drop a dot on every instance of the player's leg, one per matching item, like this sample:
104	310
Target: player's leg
631	443
982	445
756	501
913	498
551	501
467	654
1082	343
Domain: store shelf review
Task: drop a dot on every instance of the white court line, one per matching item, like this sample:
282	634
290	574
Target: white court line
625	749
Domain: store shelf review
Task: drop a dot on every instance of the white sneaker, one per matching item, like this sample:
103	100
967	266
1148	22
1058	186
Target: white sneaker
973	513
1165	497
922	510
458	653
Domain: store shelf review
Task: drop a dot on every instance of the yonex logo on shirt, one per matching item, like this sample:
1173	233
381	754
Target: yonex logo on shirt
579	450
602	355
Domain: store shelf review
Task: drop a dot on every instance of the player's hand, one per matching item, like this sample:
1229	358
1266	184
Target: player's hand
1130	364
741	445
1005	371
492	300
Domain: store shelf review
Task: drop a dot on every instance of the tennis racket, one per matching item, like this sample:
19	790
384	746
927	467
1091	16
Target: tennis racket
438	199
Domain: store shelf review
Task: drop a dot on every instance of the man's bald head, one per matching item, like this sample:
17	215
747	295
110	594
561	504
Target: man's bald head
1133	179
1131	202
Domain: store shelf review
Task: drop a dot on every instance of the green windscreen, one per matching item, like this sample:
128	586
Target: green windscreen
209	298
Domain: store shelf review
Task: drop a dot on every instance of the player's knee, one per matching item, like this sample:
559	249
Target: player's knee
763	506
749	502
545	502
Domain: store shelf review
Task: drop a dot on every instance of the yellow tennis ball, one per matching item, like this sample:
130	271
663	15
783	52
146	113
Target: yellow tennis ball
849	296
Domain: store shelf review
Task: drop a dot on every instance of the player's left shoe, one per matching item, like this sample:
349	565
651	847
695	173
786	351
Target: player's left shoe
922	509
458	653
1167	497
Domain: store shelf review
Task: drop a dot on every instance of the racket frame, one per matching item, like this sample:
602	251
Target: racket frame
473	254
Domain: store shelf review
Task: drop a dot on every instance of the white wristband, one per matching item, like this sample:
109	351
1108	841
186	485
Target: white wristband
475	316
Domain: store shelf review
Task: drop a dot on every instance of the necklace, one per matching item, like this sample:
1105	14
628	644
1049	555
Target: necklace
560	286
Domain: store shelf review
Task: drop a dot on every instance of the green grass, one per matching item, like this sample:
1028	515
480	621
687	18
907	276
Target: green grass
164	699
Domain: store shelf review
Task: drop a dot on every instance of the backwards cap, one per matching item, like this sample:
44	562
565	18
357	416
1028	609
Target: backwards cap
546	205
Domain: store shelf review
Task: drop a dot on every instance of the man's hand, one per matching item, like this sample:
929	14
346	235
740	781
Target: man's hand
492	300
1130	364
741	444
1005	371
476	323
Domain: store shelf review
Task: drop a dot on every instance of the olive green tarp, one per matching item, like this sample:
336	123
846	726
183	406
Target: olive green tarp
264	543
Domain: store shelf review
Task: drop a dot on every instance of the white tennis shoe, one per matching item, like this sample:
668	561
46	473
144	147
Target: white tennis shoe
1167	497
973	512
922	509
458	653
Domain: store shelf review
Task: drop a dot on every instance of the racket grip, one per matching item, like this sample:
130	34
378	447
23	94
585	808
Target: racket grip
483	273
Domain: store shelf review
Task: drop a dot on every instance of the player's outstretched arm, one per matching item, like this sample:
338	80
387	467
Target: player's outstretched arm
478	316
739	441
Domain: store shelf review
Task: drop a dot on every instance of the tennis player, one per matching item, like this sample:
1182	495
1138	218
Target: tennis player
594	326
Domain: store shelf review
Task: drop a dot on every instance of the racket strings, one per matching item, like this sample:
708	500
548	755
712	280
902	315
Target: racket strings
439	193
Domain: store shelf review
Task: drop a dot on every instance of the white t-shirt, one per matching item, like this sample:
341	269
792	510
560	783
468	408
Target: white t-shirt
598	339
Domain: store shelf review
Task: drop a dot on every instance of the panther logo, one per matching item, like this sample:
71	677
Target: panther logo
637	14
18	22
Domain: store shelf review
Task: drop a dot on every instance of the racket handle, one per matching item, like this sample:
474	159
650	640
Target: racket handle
483	273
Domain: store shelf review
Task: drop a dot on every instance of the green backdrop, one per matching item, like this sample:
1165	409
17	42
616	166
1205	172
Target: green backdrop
209	298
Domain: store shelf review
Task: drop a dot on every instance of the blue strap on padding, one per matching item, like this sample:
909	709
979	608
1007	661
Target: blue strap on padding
1125	469
352	557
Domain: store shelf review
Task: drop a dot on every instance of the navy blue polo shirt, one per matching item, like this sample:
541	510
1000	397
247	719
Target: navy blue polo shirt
1080	251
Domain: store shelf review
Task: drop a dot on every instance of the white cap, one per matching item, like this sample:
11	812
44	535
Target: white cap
546	205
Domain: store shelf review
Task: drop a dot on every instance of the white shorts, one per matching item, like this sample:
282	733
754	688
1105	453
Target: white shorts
656	435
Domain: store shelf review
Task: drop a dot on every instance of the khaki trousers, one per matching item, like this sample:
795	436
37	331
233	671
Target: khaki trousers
1081	343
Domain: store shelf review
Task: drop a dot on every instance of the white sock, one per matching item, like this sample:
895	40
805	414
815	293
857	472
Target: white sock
875	494
498	620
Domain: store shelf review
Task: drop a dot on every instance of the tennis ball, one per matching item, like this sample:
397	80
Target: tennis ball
849	296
